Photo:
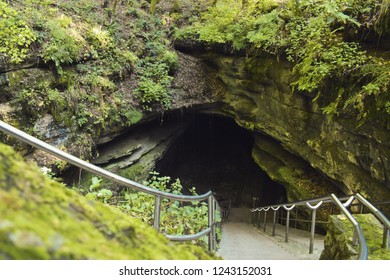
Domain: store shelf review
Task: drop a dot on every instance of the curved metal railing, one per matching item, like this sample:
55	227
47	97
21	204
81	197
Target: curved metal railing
212	203
313	204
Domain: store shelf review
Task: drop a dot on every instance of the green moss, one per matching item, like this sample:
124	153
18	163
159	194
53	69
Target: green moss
338	241
373	233
42	219
95	62
320	38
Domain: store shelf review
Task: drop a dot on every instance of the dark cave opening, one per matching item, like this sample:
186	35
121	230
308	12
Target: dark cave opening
214	153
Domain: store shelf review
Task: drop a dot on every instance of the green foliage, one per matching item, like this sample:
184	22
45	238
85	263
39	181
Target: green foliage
86	96
15	35
171	59
382	23
41	99
372	98
154	85
41	219
156	62
153	4
220	29
313	36
48	172
177	218
63	47
267	33
98	193
103	48
86	9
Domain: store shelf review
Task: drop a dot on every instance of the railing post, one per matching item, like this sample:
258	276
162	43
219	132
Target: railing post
26	138
288	209
296	218
346	205
274	221
355	240
254	199
385	244
287	226
258	219
214	224
157	211
313	224
379	215
363	250
211	223
265	219
280	217
312	231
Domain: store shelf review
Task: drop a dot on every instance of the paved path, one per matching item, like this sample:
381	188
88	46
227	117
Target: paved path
240	241
243	241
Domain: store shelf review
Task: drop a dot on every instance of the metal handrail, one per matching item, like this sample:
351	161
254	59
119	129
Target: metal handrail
342	203
363	250
325	198
189	237
313	223
379	215
26	138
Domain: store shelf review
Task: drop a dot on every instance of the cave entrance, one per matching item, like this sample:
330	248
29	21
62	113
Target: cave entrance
214	153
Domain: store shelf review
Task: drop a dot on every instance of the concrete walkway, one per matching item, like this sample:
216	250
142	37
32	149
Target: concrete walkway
243	241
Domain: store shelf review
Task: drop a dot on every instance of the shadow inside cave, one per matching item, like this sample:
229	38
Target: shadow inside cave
214	153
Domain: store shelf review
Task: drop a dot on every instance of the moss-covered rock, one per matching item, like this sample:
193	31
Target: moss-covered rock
299	178
259	98
42	219
338	241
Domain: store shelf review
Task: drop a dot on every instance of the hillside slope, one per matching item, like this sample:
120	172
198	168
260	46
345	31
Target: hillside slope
42	219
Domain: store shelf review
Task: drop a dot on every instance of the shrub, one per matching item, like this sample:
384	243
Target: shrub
15	36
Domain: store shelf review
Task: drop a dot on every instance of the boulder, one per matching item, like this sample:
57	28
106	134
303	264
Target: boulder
339	237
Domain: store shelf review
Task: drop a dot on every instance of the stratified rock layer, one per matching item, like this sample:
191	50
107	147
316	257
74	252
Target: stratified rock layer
259	98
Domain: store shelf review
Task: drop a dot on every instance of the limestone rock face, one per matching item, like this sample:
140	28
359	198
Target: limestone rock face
195	84
259	98
18	79
134	154
256	94
42	219
338	240
300	180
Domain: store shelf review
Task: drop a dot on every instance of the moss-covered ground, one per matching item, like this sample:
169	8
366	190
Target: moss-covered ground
43	219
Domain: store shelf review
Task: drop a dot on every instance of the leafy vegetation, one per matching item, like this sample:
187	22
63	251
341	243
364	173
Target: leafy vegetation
177	218
319	37
15	36
94	48
107	60
154	84
42	219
